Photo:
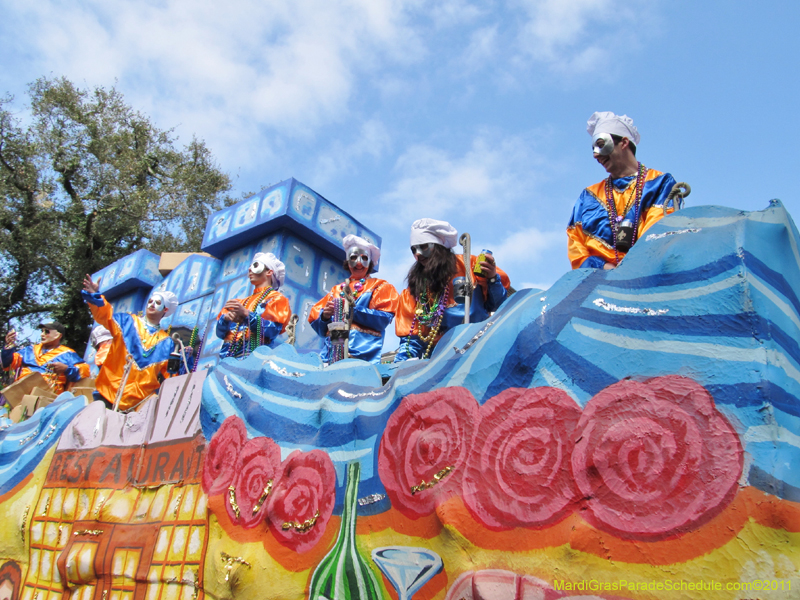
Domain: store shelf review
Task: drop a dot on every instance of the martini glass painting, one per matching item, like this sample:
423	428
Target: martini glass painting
407	568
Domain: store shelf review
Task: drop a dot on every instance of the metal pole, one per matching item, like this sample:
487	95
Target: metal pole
466	243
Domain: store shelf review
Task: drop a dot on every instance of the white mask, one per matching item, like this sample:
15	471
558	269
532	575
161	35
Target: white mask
602	144
257	267
156	302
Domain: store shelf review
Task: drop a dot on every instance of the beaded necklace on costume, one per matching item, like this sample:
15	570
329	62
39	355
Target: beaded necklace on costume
199	346
238	342
358	287
428	312
337	350
636	197
152	340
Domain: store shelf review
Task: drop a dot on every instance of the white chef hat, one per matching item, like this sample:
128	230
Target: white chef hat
608	122
353	240
273	264
169	300
431	230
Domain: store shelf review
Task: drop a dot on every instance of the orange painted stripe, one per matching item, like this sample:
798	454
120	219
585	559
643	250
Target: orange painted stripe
749	503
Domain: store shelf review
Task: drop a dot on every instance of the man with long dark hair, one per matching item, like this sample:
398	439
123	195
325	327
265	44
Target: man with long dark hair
427	306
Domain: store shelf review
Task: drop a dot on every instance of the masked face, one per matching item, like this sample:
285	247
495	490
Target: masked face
258	267
358	258
155	304
422	250
602	144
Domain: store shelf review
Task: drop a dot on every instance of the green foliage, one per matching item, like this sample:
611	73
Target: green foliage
89	180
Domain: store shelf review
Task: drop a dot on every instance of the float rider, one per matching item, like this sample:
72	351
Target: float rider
427	307
610	216
246	323
60	365
140	337
374	304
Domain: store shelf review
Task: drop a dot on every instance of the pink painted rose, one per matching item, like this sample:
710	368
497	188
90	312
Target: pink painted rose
519	472
221	454
302	499
655	459
430	435
257	469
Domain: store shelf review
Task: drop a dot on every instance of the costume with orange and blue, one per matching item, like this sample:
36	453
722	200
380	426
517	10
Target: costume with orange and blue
239	337
148	345
32	359
486	298
374	308
591	241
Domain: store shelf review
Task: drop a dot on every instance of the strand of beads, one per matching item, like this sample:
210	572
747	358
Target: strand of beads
241	330
151	340
199	349
337	349
614	219
431	318
358	287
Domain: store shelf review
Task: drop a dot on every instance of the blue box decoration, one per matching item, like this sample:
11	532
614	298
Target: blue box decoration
303	229
287	205
137	270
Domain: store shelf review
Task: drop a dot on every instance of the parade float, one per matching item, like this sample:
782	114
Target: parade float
625	434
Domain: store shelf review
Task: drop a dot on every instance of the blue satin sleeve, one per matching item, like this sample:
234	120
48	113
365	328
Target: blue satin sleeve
269	329
410	347
7	357
593	262
320	326
371	318
89	298
223	325
496	296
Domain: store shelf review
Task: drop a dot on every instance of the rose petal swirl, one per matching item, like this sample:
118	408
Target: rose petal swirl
427	433
305	488
655	459
220	457
519	472
259	462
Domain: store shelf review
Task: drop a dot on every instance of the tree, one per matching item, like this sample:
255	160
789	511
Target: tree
88	181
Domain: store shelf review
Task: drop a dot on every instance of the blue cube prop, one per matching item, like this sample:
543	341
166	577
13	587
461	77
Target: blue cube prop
290	220
287	205
137	270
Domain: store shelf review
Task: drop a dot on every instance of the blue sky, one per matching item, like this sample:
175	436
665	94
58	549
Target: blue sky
469	111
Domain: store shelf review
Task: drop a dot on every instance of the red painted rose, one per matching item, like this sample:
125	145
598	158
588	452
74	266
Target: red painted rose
257	469
430	435
655	459
220	457
519	472
301	502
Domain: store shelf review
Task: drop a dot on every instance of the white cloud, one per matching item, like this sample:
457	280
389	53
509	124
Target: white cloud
490	178
577	36
230	72
343	157
482	47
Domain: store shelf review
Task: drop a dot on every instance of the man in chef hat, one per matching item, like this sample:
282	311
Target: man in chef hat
374	303
140	337
428	306
246	323
610	216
